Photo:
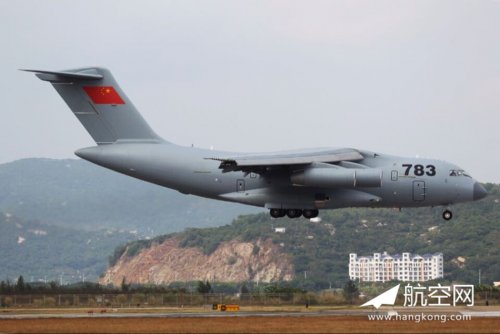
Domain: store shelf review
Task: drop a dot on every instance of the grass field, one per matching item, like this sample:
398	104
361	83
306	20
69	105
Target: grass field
251	324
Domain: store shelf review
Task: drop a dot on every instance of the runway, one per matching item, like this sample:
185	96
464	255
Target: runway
155	313
183	314
279	320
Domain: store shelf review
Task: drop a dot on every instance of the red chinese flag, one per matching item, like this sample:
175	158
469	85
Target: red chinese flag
103	95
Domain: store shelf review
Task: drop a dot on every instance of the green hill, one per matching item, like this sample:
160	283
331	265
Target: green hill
39	251
78	194
320	250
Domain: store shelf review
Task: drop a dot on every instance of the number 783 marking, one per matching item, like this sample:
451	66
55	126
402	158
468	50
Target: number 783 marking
419	170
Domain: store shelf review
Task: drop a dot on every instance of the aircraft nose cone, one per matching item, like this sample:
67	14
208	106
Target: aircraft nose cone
479	191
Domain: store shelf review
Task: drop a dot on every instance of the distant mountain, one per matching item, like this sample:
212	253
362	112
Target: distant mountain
39	251
319	252
78	194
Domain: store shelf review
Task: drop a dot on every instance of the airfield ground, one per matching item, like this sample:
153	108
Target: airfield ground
272	324
248	321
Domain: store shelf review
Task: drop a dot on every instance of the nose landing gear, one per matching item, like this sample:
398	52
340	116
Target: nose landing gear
447	214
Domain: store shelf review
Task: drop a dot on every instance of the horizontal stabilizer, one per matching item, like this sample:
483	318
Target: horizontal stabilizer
57	76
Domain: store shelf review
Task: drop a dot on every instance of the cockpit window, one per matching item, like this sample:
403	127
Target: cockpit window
458	172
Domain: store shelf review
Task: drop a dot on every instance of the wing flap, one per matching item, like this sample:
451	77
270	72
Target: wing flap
260	161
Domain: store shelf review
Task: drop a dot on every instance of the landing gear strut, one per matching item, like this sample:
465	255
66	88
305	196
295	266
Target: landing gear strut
447	215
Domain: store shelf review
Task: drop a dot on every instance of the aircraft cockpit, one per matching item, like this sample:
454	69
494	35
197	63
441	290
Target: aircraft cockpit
458	172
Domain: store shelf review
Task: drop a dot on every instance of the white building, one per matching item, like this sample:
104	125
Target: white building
404	267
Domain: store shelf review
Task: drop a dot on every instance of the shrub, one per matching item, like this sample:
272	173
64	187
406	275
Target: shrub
331	298
7	301
231	260
121	299
138	298
50	301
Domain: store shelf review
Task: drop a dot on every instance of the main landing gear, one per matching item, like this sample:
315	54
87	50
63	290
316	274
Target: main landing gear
447	214
294	213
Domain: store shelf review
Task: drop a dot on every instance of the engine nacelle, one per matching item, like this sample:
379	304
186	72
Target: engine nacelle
334	177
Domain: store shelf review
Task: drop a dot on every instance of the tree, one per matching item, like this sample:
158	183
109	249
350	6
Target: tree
20	284
204	287
3	287
209	287
124	285
244	292
350	292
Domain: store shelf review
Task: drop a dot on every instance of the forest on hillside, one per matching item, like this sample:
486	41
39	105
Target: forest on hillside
52	253
320	250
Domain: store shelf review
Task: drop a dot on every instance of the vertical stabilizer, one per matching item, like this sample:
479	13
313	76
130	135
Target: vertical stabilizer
100	105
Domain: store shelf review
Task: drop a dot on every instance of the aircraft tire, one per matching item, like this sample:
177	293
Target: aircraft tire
310	213
447	215
293	213
277	213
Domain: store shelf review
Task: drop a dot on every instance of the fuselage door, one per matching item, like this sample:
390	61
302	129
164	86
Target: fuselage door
240	185
418	190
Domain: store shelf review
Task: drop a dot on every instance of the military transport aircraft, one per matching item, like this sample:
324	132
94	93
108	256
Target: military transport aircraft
292	183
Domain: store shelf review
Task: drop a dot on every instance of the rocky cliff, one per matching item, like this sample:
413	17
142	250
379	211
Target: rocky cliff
232	261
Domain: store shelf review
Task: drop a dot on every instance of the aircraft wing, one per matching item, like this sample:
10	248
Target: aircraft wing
259	162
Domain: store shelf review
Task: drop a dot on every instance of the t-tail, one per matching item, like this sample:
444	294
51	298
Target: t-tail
100	105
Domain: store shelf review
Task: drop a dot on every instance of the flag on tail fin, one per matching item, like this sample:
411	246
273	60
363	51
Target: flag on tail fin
103	95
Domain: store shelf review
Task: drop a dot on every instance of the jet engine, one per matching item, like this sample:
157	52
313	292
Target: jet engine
337	177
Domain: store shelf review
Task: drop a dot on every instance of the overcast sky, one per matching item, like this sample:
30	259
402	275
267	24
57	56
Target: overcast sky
398	77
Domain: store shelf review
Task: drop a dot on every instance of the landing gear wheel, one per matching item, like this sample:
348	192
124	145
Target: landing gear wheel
447	215
310	213
293	213
277	213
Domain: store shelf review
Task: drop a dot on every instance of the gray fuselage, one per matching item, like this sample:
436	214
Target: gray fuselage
406	182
